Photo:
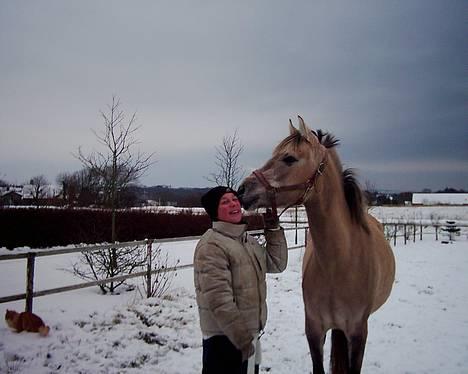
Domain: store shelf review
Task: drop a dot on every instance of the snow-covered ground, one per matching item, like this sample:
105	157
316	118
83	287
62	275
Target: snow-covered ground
423	328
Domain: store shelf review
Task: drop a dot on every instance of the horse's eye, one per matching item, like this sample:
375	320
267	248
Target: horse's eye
289	160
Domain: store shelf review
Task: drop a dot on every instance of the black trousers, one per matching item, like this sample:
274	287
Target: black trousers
221	356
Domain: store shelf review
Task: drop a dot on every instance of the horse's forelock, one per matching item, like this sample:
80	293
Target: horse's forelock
293	140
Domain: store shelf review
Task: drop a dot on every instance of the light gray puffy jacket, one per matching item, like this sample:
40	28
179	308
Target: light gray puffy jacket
229	272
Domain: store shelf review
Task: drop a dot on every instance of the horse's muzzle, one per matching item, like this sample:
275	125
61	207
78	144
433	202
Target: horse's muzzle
247	200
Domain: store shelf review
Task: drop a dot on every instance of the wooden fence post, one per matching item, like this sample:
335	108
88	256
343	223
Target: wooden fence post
404	232
420	231
437	232
394	234
149	259
305	237
296	227
414	233
30	281
113	266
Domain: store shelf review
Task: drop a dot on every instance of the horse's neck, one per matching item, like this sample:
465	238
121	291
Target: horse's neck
327	213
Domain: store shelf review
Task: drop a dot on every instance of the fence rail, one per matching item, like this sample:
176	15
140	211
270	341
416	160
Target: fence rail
31	256
409	231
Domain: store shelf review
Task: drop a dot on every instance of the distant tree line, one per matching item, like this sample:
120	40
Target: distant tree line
84	188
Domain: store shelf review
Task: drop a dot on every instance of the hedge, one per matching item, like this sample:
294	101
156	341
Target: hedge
48	227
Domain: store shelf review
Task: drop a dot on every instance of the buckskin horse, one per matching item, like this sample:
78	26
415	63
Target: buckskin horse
348	266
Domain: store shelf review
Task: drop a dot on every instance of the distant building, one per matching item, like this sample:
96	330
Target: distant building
24	194
10	198
440	199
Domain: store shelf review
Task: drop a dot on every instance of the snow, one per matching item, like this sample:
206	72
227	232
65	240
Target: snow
436	214
440	198
423	328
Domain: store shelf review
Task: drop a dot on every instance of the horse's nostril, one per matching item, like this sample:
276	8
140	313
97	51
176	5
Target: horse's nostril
241	190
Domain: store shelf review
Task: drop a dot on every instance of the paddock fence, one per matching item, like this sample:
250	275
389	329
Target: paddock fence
31	256
405	231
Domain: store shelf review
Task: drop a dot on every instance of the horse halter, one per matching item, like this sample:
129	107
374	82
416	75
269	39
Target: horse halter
306	186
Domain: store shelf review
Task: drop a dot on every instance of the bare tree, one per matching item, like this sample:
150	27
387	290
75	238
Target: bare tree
4	183
80	187
157	284
96	266
117	166
70	187
371	192
89	186
229	172
39	184
102	264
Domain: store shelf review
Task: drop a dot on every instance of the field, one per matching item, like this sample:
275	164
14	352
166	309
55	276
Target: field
423	328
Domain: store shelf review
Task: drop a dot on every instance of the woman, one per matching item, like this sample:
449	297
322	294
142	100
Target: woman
229	271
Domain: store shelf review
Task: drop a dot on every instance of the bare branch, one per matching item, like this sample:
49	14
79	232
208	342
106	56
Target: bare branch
114	168
118	164
228	172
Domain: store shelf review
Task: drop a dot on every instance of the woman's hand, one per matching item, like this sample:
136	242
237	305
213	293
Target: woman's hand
270	220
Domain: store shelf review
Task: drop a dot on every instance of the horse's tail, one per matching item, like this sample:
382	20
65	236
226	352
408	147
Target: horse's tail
339	361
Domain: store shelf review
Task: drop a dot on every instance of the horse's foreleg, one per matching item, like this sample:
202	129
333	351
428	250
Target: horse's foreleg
316	341
357	344
339	355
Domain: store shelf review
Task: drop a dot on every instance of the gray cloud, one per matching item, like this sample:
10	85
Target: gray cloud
388	78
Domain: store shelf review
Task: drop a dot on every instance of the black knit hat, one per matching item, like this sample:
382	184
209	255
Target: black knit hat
210	200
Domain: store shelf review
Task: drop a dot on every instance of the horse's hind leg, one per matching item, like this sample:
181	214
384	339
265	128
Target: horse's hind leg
316	341
357	346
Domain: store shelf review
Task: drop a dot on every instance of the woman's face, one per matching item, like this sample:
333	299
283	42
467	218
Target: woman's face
229	208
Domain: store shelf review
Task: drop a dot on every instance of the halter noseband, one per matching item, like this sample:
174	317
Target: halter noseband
306	186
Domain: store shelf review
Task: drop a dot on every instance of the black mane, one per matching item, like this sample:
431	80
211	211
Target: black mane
352	191
326	139
354	198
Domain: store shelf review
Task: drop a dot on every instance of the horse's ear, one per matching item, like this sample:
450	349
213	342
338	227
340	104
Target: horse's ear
292	129
303	129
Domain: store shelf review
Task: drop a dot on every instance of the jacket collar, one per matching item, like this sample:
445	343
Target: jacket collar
232	230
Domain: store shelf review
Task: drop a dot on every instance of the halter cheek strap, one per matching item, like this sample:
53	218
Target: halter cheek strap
306	186
270	190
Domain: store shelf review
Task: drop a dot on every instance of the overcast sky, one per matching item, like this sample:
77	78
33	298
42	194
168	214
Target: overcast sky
388	78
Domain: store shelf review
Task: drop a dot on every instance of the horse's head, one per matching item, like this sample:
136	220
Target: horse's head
288	175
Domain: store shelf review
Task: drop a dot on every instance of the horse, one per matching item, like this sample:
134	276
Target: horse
348	267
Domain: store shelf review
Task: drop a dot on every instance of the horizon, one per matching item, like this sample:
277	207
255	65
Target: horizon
381	191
